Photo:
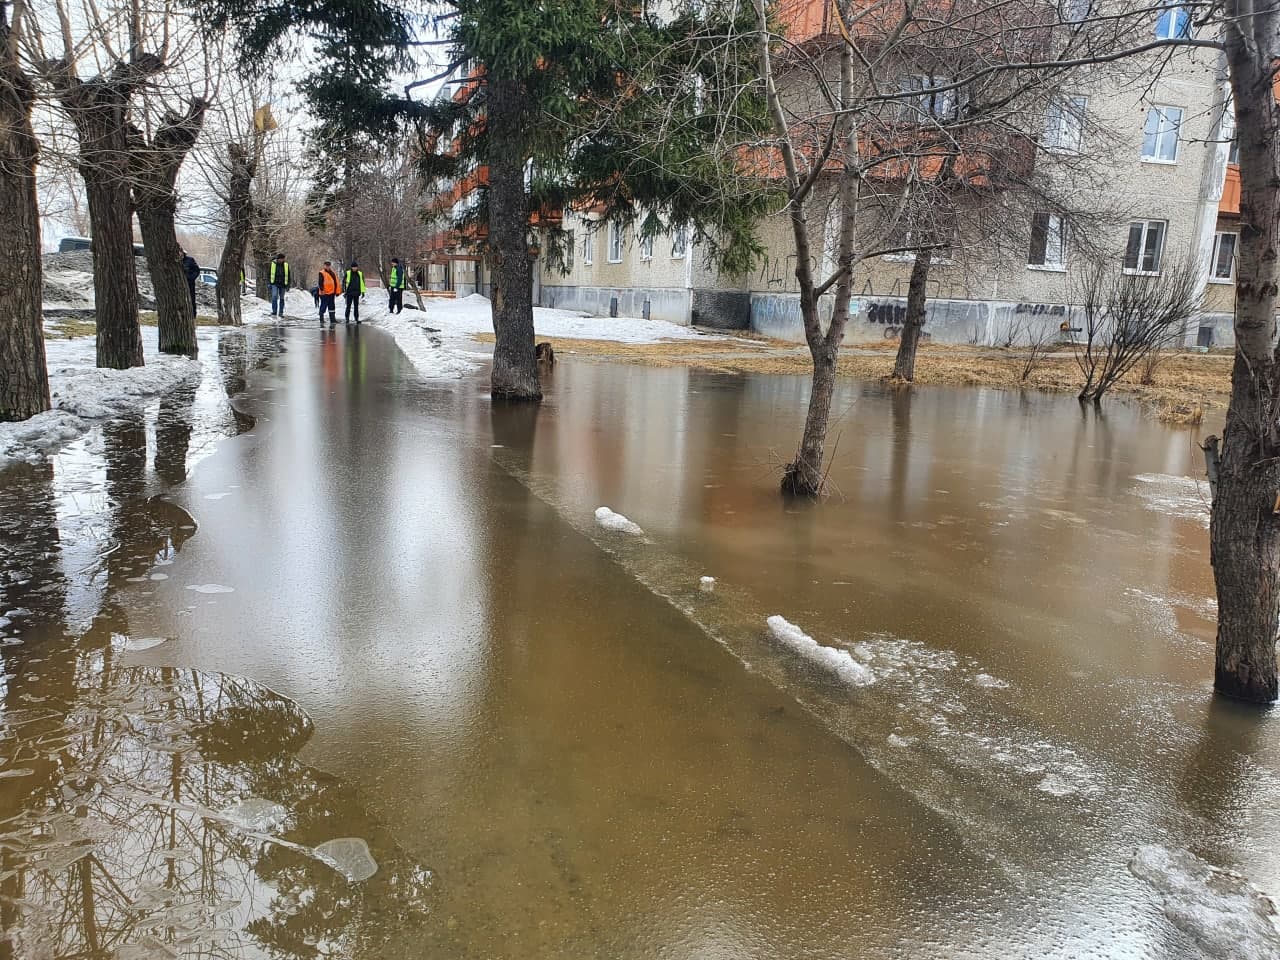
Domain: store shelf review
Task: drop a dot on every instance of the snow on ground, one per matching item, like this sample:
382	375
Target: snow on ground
440	340
1226	915
81	393
617	523
838	662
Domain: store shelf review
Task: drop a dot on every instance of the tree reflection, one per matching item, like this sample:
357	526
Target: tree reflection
178	822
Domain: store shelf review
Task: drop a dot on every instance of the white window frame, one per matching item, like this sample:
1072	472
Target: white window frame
1165	126
680	244
1064	125
1143	242
645	247
588	246
1214	276
1169	19
616	242
1055	243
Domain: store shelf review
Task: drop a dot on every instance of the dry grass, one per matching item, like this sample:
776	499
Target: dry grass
1183	388
67	328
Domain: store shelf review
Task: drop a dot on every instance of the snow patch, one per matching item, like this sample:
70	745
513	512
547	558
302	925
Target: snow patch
839	662
1225	914
616	522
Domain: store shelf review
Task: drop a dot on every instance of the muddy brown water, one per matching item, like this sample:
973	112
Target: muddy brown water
356	621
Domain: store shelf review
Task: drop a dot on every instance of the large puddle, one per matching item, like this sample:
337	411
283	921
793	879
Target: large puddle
375	681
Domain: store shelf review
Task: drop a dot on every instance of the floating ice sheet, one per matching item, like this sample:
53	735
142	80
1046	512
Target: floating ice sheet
256	815
839	662
350	856
211	588
1226	915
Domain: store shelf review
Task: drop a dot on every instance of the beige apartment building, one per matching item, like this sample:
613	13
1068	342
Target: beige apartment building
1168	190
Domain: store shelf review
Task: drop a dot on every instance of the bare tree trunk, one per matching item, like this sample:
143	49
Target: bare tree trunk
515	369
155	173
176	319
99	109
904	368
239	222
24	381
1245	529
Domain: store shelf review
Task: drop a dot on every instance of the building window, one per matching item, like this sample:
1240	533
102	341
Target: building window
570	243
680	243
1076	11
1145	247
588	241
1233	152
1048	241
917	106
646	247
1174	22
1160	138
615	242
1224	258
1064	125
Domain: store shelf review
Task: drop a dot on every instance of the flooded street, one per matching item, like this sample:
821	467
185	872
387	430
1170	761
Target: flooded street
346	666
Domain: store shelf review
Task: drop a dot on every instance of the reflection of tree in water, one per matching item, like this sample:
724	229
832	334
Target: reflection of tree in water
172	818
173	433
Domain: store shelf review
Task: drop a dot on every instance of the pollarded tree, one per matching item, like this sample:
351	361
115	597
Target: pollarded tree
113	49
24	381
156	162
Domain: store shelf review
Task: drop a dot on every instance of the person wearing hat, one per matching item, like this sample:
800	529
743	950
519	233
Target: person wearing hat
395	287
328	287
353	283
278	281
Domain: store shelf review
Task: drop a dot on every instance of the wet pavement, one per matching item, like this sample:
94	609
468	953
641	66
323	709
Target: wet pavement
346	666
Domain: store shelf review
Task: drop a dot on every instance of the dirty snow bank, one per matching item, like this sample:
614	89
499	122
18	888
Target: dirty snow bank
616	522
839	662
1226	915
474	314
427	351
80	392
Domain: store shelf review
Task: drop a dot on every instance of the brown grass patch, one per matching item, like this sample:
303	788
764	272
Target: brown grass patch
1184	387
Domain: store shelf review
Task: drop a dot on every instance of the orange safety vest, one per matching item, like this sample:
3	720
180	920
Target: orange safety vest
329	283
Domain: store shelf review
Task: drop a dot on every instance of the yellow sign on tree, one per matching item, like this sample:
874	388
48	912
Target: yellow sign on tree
263	121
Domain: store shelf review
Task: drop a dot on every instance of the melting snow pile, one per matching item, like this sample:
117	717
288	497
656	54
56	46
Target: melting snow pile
81	392
616	522
1226	915
839	662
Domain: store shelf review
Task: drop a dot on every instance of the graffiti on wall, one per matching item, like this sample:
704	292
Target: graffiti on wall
1041	309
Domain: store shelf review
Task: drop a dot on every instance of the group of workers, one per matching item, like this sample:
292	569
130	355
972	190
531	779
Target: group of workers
329	286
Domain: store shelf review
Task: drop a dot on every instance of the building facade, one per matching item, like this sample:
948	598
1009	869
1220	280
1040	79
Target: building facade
1169	190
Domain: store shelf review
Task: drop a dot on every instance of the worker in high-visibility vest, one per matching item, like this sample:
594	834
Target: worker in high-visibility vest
353	282
396	283
328	286
278	282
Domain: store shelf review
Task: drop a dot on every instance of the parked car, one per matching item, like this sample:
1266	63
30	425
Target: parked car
71	244
208	276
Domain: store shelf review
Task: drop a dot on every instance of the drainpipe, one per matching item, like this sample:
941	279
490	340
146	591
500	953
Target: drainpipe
688	280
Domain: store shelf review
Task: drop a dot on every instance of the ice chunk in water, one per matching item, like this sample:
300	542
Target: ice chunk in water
211	588
987	680
350	856
616	522
836	661
137	644
707	583
1225	914
256	814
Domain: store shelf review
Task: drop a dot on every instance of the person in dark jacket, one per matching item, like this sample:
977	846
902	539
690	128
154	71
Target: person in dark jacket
396	284
191	270
278	280
353	284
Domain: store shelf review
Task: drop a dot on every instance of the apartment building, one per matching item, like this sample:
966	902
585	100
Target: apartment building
1169	185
